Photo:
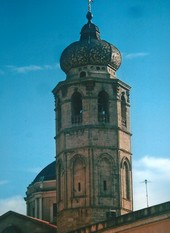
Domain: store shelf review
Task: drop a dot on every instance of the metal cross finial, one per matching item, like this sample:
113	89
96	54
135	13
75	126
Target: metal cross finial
89	5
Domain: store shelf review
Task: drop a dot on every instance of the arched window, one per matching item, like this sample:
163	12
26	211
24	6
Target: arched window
78	177
83	74
123	111
76	108
126	181
103	107
58	115
105	180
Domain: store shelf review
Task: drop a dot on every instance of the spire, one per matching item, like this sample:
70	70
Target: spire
89	15
89	5
89	31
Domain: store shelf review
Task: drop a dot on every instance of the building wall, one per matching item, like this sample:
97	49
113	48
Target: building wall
41	200
158	224
155	219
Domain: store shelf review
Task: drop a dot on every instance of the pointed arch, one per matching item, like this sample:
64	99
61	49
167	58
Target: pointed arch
105	174
76	108
105	156
77	157
103	107
126	178
78	175
126	160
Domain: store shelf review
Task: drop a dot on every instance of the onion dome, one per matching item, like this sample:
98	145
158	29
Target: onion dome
90	50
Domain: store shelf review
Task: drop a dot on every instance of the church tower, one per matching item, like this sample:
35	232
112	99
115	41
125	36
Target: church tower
93	149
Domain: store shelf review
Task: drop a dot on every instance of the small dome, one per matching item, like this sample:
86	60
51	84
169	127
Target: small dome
48	173
90	50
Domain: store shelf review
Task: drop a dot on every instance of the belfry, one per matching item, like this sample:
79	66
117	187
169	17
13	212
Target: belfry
93	148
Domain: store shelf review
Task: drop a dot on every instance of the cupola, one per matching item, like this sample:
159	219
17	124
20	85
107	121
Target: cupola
90	50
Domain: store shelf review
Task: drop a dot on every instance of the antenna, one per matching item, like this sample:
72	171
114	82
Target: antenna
146	187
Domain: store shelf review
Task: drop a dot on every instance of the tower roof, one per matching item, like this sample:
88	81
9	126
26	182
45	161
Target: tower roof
90	50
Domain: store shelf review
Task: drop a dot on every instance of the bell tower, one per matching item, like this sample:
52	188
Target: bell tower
93	149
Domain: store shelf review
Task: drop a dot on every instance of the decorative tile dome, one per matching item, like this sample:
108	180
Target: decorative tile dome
90	50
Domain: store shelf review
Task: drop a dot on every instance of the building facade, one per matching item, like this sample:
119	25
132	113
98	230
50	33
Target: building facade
93	149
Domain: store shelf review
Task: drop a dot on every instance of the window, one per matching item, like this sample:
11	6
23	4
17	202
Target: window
83	74
76	107
104	185
103	107
79	186
123	110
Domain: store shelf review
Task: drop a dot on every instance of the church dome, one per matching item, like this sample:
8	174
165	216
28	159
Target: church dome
46	174
90	50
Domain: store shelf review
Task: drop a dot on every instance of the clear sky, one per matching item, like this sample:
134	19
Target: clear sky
32	36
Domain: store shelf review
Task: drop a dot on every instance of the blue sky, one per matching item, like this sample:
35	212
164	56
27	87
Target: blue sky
33	35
